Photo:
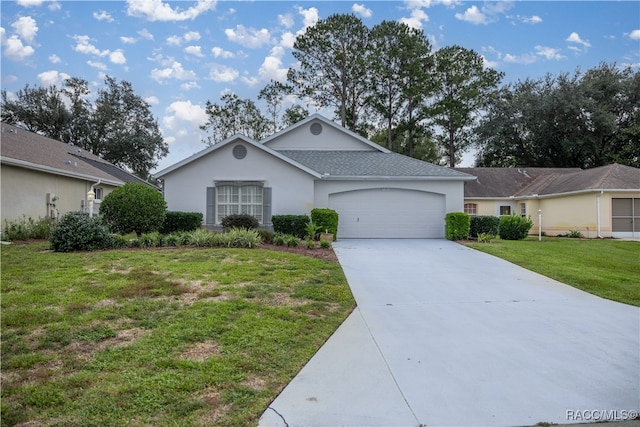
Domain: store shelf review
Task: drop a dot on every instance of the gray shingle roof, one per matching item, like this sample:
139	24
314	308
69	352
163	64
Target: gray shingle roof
369	164
36	151
507	182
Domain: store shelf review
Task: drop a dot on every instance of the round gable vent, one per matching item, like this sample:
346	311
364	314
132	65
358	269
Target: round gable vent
239	151
316	128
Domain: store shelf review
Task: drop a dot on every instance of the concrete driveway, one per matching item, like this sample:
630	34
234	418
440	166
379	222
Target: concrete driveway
447	336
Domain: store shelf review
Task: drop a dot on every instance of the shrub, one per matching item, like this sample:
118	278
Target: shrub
291	241
312	230
26	228
514	227
294	225
200	238
176	239
325	244
181	221
485	237
575	234
310	244
278	240
457	225
134	207
150	240
78	232
484	224
245	221
242	238
326	219
266	235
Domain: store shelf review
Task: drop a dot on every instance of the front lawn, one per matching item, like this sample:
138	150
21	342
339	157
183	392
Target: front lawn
159	337
607	268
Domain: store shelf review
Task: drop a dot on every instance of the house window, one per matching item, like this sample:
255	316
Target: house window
505	210
239	199
98	192
471	208
523	210
625	215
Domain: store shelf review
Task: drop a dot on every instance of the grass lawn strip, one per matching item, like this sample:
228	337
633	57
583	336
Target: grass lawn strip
172	337
607	268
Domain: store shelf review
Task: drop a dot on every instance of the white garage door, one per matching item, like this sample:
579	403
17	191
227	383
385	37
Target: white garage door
389	213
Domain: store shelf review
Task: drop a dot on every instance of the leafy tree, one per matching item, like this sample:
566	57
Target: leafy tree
125	132
580	120
134	207
294	114
400	63
464	87
274	94
235	116
333	68
119	128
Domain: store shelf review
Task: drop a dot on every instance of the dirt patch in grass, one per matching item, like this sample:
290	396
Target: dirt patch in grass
218	409
201	351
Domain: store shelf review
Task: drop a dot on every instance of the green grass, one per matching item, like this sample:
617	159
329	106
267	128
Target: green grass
172	337
607	268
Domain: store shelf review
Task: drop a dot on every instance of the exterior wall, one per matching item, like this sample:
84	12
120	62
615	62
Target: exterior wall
301	138
452	190
24	193
565	213
492	207
292	189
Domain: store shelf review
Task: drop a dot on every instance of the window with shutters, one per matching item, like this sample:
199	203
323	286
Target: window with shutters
239	198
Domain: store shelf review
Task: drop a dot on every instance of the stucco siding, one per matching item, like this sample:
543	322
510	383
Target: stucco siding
292	188
24	192
330	138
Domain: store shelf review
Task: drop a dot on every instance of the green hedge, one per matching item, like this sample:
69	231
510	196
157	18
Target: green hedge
514	227
484	225
457	225
326	220
290	224
181	221
245	221
78	232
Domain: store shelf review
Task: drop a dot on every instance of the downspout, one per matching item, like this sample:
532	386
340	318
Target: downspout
598	213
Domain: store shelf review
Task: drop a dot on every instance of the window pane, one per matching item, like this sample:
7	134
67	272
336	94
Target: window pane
621	207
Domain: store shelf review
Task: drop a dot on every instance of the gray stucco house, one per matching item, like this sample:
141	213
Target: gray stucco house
317	164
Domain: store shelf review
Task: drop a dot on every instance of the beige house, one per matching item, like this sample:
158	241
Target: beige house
44	178
598	202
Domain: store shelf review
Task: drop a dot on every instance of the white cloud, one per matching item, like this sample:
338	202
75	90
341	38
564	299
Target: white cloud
287	39
489	64
309	18
549	52
362	10
117	57
271	68
152	100
194	50
174	40
180	113
54	59
535	19
223	74
473	15
219	52
418	16
103	16
128	40
191	36
83	45
52	77
250	81
145	34
14	49
30	3
420	4
157	10
575	38
525	59
26	28
176	71
634	35
189	85
97	65
248	37
286	20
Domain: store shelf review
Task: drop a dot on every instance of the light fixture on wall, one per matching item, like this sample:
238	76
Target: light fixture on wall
91	195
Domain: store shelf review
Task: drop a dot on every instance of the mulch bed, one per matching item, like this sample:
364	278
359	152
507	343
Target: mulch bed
321	253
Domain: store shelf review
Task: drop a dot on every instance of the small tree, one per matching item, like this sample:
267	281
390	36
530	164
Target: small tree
134	207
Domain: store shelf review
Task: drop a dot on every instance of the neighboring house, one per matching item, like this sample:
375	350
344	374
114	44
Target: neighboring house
598	202
317	164
45	178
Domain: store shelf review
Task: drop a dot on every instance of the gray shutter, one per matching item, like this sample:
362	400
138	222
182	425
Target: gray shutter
266	206
211	205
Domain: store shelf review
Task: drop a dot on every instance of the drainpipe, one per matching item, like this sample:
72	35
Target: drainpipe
598	213
90	196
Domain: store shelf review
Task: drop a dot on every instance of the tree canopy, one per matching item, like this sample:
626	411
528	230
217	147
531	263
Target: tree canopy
119	127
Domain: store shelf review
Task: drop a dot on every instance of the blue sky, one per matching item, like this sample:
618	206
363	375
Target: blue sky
179	54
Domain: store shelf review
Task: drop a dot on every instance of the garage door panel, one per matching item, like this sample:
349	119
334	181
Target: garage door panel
389	213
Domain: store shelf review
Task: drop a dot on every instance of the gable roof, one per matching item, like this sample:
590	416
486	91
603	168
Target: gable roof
528	182
19	147
228	141
370	164
330	123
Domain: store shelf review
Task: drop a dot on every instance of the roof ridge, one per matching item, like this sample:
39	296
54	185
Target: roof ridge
544	182
608	171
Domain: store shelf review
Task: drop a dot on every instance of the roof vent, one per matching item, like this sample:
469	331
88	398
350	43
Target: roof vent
239	151
315	128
